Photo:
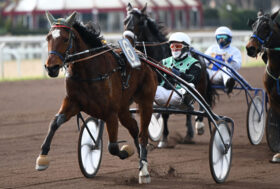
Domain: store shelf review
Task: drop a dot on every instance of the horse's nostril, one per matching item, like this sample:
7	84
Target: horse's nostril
251	51
52	71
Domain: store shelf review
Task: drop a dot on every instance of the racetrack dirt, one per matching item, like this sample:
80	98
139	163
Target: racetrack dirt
27	107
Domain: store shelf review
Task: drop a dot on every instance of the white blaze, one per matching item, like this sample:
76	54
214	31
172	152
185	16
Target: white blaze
55	33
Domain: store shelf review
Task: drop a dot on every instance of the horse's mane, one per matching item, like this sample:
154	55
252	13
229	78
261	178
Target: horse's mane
90	33
158	29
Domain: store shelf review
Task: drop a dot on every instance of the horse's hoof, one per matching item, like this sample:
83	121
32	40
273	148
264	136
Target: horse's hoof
276	158
144	176
146	179
129	149
42	163
199	127
162	144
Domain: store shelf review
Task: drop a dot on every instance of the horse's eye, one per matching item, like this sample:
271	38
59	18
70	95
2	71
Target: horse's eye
48	37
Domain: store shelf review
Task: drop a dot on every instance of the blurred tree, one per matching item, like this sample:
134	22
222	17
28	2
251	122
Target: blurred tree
211	17
242	16
227	14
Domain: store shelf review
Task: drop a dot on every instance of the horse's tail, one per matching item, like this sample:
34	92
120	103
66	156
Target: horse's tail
211	93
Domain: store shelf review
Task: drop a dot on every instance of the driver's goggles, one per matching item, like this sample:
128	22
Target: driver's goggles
224	37
176	46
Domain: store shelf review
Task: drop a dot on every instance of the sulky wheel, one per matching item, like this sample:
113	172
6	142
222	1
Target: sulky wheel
255	121
89	152
273	131
219	156
155	127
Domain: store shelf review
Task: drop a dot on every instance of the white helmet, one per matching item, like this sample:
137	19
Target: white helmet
180	37
223	30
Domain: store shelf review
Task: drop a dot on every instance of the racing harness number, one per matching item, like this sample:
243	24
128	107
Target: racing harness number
129	52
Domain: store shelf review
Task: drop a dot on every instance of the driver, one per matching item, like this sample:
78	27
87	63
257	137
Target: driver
227	53
183	65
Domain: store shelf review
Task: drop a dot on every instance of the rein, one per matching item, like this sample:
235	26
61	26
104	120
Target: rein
275	78
150	44
86	58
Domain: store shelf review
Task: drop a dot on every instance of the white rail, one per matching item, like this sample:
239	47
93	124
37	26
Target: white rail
22	48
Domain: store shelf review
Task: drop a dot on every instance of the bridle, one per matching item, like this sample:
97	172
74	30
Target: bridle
66	57
130	26
264	41
63	56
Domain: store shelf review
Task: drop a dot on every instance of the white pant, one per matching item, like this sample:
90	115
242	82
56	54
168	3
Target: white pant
162	96
218	77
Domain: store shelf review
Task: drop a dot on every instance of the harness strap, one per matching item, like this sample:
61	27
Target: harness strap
150	44
169	98
276	79
213	76
258	38
100	78
57	54
89	57
270	74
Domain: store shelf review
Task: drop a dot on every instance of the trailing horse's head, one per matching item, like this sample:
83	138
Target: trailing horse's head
60	42
136	19
263	28
139	28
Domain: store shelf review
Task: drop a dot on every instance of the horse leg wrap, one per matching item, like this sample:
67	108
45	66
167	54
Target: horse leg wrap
55	124
60	119
190	131
144	175
143	155
199	118
113	148
165	126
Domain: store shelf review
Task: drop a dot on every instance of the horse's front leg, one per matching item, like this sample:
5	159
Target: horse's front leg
67	110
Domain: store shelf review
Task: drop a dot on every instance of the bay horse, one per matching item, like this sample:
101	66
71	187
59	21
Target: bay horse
94	85
149	37
266	40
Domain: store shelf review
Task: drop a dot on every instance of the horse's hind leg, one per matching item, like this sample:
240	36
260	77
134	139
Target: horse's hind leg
188	139
131	125
199	125
67	110
113	146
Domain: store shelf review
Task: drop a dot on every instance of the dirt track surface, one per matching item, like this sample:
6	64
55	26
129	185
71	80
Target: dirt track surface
27	107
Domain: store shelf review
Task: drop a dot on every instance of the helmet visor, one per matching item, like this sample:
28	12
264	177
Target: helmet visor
224	37
223	40
176	45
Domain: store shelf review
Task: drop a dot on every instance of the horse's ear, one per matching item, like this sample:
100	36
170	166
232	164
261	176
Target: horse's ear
144	10
273	16
70	20
250	22
50	17
260	13
129	7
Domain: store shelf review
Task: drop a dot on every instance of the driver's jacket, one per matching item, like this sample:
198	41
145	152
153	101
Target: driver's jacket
216	52
189	68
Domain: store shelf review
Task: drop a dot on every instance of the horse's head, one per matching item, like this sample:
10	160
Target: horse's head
263	28
136	20
139	27
60	42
